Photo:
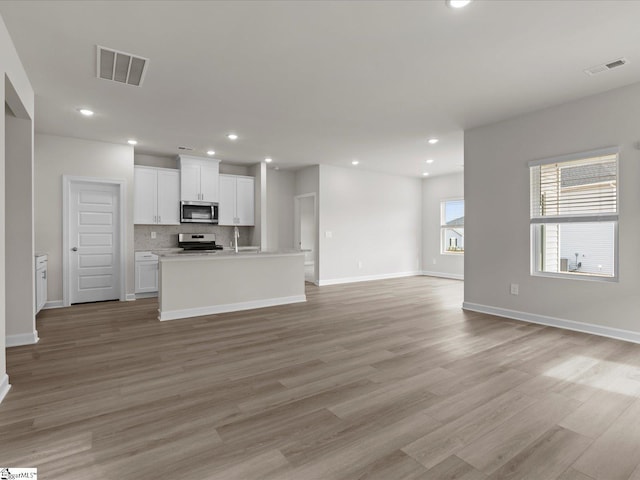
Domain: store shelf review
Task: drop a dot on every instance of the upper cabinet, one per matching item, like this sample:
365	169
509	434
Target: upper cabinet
236	200
156	194
199	179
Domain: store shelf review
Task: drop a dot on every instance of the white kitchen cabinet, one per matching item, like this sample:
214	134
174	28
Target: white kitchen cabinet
41	281
146	272
199	179
156	196
236	200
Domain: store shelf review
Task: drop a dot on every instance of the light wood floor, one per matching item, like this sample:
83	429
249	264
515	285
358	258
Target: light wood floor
385	380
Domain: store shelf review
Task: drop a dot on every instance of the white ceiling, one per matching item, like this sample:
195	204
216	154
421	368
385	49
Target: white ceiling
317	81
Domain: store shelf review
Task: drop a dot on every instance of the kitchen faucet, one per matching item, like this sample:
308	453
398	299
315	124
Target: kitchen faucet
236	236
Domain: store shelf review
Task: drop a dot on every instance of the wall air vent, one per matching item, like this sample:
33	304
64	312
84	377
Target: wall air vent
121	67
605	67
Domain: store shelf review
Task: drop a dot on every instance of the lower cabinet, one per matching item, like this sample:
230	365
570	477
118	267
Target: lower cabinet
146	272
41	281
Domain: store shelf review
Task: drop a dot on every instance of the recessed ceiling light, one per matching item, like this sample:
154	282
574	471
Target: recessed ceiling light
211	152
355	162
268	160
86	112
433	141
232	136
430	160
425	174
457	3
132	142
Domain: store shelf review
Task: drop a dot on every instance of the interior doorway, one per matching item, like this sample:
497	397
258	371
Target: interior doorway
306	233
93	240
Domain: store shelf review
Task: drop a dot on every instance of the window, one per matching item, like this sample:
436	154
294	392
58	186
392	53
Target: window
452	226
574	215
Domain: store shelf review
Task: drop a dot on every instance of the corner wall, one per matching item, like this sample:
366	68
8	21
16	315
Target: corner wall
280	193
11	72
434	191
57	156
497	215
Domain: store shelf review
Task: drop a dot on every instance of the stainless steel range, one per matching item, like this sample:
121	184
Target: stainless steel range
198	241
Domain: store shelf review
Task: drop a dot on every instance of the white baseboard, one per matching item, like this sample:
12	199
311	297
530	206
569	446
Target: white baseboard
53	304
4	386
366	278
130	297
146	295
453	276
22	339
229	307
609	332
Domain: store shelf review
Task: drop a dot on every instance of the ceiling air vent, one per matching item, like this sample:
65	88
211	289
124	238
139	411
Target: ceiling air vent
188	149
605	67
121	67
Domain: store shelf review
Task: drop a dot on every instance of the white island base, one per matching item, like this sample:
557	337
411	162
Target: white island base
192	285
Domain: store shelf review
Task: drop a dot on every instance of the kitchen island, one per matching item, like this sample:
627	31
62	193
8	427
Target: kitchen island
194	284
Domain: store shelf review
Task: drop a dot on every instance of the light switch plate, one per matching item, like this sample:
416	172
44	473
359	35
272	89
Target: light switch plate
153	235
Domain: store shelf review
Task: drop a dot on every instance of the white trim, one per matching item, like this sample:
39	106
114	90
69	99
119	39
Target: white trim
4	386
53	304
229	307
453	276
131	297
22	339
67	181
600	152
146	295
366	278
602	331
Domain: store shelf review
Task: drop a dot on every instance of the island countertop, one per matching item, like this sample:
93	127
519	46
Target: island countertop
221	254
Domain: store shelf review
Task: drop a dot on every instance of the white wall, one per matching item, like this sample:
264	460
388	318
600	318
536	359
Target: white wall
280	193
434	191
13	73
497	211
157	161
374	222
19	232
57	156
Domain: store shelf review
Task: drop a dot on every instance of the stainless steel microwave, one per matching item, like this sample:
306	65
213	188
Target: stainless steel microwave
198	212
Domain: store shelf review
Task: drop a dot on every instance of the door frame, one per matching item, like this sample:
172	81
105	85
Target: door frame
67	182
296	229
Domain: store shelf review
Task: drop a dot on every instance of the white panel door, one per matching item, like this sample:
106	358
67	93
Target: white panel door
244	201
209	181
190	182
168	197
94	241
227	204
144	195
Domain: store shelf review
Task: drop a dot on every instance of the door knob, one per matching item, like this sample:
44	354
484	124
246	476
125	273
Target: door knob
74	249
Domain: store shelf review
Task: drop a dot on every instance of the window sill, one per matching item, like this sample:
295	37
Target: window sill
588	277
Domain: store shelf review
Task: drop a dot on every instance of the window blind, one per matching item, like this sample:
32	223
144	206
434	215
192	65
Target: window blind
576	190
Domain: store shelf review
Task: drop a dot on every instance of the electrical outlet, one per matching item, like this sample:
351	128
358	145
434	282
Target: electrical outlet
153	235
515	289
328	234
359	264
434	261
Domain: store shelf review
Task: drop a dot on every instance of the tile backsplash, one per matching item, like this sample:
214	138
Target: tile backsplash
167	235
